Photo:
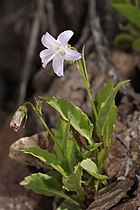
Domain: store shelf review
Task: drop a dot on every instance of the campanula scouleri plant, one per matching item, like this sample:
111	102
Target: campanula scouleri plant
76	171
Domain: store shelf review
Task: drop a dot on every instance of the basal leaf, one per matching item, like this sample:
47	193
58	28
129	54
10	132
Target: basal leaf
65	205
43	184
89	151
43	155
46	185
69	111
130	12
46	157
73	181
89	166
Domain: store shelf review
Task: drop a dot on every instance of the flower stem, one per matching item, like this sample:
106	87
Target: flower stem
92	103
42	120
82	66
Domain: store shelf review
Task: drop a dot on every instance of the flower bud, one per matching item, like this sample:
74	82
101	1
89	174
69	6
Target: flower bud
18	117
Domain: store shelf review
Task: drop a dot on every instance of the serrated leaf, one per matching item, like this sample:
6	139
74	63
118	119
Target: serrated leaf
130	12
103	93
43	184
104	111
123	41
46	157
89	166
69	111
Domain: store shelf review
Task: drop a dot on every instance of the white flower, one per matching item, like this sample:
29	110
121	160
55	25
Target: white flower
57	51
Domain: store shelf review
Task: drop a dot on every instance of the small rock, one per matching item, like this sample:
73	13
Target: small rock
18	203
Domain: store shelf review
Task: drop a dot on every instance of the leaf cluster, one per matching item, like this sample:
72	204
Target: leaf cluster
76	169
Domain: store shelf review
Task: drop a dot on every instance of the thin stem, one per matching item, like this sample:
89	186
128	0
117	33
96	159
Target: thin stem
92	104
81	194
43	122
82	66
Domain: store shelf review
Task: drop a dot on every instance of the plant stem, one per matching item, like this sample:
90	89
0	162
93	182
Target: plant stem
92	103
82	66
42	120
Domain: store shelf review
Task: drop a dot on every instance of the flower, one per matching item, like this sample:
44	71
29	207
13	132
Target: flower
57	51
18	117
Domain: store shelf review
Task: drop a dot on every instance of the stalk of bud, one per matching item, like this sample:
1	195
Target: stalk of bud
18	118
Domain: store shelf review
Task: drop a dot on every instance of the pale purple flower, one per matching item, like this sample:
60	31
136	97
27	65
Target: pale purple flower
57	51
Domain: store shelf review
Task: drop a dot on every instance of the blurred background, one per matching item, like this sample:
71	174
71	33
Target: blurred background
22	24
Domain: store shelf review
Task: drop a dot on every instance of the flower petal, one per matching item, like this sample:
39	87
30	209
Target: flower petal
58	65
71	55
64	37
48	41
46	56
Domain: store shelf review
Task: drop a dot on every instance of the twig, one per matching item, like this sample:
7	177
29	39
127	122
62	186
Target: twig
84	36
104	58
51	17
101	44
12	18
26	71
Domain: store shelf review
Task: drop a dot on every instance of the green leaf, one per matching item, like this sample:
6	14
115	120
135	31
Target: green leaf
43	184
69	111
131	28
46	157
92	169
73	181
91	148
123	41
103	93
136	45
104	111
122	1
101	156
66	205
131	13
46	185
69	152
109	125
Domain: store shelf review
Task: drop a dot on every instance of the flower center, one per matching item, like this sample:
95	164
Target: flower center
62	50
